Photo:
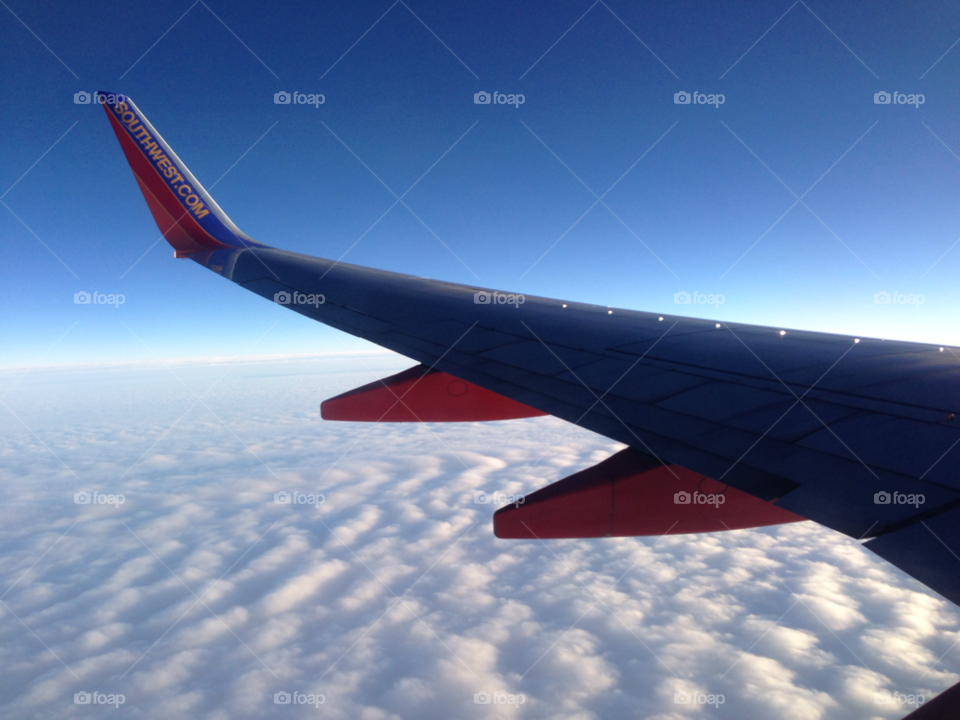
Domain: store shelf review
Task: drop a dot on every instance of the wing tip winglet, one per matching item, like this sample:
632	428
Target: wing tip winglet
189	218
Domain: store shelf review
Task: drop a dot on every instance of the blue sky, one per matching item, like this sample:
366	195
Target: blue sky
702	197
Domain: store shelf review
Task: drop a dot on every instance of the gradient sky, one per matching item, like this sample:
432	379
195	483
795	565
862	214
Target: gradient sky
702	197
799	199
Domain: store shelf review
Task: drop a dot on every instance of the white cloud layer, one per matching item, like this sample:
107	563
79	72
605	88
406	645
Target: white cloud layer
201	597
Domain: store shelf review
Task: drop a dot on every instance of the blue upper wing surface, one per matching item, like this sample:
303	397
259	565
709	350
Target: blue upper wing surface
857	434
822	423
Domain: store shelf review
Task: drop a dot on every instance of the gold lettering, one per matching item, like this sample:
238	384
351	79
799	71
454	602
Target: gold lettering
180	190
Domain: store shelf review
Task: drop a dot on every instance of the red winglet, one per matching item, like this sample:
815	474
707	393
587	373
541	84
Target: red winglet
423	395
631	494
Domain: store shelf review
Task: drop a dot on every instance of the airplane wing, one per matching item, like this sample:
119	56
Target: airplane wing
727	425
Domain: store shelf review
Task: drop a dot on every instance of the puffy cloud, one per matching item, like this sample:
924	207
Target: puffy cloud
200	596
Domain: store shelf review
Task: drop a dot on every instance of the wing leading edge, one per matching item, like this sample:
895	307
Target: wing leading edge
853	433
